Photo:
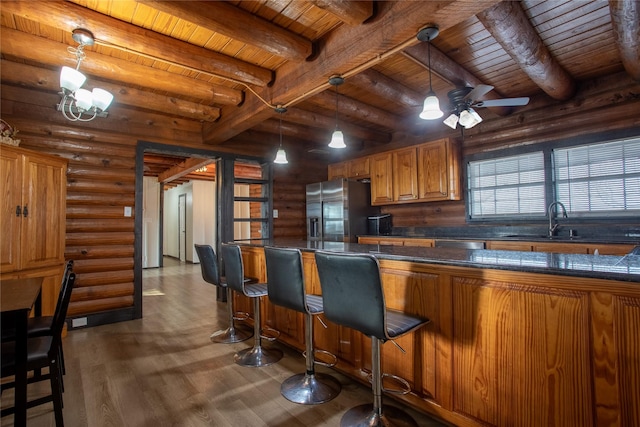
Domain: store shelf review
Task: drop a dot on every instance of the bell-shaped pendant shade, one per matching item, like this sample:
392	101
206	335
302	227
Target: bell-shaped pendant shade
83	99
71	79
469	118
431	108
337	139
281	157
101	98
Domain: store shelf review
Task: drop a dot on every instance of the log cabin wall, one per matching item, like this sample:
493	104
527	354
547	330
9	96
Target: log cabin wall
102	181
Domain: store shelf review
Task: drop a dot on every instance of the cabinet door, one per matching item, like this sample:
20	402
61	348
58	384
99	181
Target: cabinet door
10	188
433	171
359	168
44	199
405	175
338	170
381	179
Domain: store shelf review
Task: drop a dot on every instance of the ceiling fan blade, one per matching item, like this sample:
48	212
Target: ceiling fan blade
505	102
478	92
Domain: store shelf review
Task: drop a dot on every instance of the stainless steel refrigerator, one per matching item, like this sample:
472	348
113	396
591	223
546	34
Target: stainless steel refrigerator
337	210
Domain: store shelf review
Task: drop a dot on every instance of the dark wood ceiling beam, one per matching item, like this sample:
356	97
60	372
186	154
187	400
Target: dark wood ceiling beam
625	16
69	16
49	52
381	86
238	24
43	79
182	169
511	27
348	11
315	120
349	107
345	49
449	70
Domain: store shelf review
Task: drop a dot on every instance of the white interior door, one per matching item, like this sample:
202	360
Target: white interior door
182	227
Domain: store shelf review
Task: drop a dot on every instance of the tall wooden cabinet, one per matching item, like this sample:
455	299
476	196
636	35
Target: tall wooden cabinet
33	188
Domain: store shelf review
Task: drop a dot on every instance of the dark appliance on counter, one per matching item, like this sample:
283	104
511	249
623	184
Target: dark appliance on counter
337	210
379	225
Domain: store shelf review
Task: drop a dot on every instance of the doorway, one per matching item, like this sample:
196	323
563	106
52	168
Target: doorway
182	227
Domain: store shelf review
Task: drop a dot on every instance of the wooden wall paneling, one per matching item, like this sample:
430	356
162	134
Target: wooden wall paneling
544	333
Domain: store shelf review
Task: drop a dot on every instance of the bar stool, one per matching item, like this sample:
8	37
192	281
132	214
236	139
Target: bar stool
257	356
353	297
211	274
285	283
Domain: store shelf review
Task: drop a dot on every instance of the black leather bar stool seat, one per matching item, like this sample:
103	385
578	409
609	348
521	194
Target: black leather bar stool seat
286	287
211	274
257	356
353	297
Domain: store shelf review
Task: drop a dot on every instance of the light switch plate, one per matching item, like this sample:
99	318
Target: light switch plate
127	211
275	213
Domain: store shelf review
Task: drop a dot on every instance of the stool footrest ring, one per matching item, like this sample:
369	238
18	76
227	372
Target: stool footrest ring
333	357
405	388
269	334
240	315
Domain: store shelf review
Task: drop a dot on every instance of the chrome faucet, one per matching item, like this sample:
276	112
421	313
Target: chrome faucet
553	227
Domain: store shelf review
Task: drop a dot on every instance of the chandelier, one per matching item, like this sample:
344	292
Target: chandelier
80	104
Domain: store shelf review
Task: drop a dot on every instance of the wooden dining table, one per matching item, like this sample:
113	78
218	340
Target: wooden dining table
17	298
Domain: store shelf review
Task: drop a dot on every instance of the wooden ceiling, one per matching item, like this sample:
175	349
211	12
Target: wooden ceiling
228	64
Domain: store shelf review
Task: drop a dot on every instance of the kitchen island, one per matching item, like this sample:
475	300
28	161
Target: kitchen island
516	338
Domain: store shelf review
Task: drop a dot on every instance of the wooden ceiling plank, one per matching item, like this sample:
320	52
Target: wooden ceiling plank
182	169
52	53
40	78
625	15
345	48
70	16
381	86
509	25
350	12
240	25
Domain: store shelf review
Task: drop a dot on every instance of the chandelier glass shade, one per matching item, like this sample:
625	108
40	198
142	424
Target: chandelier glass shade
79	104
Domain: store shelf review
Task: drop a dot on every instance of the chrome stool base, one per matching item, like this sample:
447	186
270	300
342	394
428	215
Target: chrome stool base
230	335
256	357
366	416
310	389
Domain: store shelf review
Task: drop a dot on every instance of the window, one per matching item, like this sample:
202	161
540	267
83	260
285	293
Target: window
599	179
596	180
507	186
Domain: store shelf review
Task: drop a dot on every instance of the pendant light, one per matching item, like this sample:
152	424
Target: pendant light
281	155
431	108
337	138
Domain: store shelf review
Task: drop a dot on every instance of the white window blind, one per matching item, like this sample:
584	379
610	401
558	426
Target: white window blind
600	178
507	186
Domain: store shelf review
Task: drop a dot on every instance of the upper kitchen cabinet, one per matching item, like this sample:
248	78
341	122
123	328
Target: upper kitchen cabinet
423	173
350	169
438	171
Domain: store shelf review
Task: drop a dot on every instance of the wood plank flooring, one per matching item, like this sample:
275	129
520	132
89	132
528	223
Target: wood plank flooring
162	370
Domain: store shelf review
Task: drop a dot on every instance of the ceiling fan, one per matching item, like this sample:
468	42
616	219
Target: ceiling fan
464	100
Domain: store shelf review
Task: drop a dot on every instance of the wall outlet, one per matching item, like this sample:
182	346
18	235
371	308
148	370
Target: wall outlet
127	211
275	213
79	322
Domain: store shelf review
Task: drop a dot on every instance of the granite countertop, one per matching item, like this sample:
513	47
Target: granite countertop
624	268
528	238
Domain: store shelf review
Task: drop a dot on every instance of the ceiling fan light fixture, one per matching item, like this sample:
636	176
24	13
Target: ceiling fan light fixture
431	107
469	118
451	121
337	139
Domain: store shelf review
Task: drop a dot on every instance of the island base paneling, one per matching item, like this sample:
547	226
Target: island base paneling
503	347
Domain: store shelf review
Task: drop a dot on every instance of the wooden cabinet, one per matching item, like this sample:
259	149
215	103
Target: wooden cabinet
405	175
338	170
424	173
395	241
381	179
438	171
350	169
33	186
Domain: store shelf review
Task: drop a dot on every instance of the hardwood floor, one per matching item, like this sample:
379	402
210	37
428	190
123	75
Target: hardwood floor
162	370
